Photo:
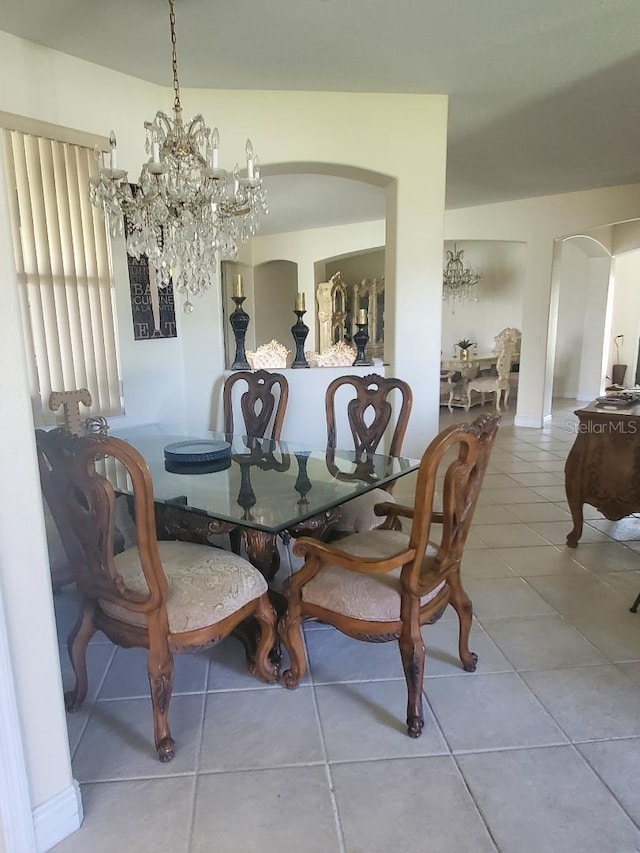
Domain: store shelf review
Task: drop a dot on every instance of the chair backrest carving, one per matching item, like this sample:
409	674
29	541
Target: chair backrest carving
82	502
259	405
369	413
461	487
511	336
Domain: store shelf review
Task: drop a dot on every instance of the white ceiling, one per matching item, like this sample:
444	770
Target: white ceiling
544	94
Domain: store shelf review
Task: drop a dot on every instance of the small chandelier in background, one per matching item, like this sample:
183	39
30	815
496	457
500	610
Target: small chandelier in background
185	208
458	282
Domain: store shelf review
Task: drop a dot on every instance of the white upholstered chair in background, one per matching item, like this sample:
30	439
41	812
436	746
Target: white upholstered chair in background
497	385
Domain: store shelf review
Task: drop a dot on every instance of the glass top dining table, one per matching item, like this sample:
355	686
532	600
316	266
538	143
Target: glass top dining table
266	485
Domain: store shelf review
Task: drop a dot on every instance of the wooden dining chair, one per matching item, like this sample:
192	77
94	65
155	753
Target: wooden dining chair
384	584
167	597
262	405
370	413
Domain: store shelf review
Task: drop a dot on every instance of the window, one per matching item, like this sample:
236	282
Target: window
64	272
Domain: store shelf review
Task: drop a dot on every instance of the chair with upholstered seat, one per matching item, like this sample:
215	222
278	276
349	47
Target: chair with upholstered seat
498	384
384	584
168	597
369	411
262	405
447	388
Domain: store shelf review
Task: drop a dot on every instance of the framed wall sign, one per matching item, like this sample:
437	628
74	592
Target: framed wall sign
152	307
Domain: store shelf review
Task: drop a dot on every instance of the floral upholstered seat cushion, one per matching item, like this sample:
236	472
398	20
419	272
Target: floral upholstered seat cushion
373	598
205	585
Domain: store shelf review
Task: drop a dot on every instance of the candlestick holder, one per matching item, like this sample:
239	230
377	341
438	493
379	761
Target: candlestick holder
239	320
299	332
361	339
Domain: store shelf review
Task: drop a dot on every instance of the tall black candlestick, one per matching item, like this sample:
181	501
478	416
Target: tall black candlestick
300	332
239	320
360	339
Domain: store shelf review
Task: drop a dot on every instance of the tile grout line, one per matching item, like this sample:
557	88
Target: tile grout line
203	709
328	774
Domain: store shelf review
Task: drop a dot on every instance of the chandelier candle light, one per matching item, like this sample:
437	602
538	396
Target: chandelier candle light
458	282
186	210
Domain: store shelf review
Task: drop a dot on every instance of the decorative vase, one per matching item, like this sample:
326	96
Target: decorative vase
464	355
239	320
299	332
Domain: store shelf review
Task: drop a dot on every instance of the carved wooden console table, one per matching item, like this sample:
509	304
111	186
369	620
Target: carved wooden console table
603	466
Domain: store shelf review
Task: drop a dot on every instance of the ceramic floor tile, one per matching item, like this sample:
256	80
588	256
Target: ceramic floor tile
631	670
127	676
484	564
490	712
265	811
495	598
616	762
556	494
508	535
541	642
548	799
607	557
515	495
474	542
118	740
516	467
365	720
228	668
498	481
535	455
539	478
571	593
621	531
334	657
589	702
616	634
493	515
556	531
426	807
554	465
626	583
130	816
441	643
542	560
539	512
98	658
245	730
76	724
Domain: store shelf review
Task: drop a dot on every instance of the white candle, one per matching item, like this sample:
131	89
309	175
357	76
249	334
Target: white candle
249	153
362	316
215	142
300	302
113	161
236	180
156	152
238	289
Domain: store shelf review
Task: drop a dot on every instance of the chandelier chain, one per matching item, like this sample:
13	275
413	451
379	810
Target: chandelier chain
185	212
174	60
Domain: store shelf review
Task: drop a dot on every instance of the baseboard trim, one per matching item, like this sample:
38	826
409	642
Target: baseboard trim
58	817
547	420
526	421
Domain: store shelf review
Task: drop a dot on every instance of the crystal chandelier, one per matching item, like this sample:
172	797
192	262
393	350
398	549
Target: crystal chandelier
458	282
185	208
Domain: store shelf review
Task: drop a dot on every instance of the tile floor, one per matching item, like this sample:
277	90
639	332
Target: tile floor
536	752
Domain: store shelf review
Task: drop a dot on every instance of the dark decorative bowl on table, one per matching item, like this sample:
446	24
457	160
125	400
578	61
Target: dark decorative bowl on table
197	456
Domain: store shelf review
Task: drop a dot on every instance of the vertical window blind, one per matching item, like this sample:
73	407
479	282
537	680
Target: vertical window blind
64	273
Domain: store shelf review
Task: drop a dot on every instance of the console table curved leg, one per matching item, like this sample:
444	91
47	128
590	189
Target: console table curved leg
575	507
634	606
